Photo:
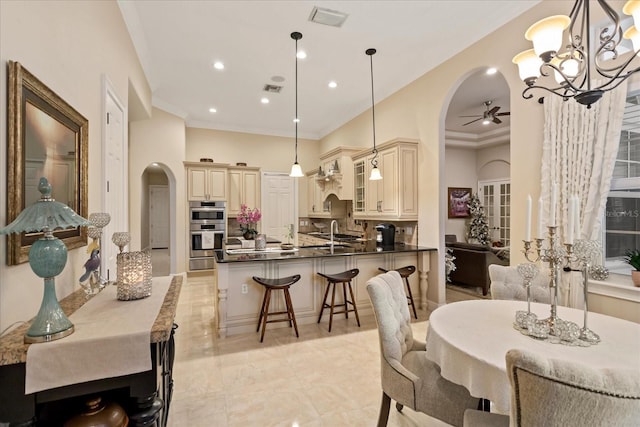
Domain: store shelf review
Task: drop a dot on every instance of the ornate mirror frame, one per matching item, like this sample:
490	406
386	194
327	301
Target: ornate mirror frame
25	90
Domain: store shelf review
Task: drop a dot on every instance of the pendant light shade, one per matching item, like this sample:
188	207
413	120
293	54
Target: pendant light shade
296	170
375	172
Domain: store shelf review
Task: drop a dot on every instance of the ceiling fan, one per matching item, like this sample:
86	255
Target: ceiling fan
490	115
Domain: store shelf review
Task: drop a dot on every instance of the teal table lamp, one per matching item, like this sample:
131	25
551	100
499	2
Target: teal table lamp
47	258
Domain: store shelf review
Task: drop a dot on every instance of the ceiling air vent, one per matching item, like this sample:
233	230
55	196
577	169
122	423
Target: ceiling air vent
272	88
330	17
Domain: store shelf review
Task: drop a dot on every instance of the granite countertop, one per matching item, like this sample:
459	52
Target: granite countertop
14	350
319	251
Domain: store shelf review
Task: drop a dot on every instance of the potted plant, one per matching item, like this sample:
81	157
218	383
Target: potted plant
248	220
289	234
632	257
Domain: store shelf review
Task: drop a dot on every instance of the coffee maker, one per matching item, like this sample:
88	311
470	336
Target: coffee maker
386	234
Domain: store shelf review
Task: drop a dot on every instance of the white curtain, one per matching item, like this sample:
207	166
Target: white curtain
578	153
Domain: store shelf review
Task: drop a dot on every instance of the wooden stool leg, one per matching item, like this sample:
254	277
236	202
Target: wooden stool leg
324	301
353	302
292	315
333	302
266	314
411	303
346	301
264	299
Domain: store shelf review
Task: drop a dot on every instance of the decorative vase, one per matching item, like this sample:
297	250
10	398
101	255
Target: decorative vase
248	235
261	242
635	277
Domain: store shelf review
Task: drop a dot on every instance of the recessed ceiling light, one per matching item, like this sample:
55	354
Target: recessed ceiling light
154	164
301	54
264	100
213	110
218	65
333	84
491	71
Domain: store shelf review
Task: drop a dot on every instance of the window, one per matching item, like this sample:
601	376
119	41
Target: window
622	213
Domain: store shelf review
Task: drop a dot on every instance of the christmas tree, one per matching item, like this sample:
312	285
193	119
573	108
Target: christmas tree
478	227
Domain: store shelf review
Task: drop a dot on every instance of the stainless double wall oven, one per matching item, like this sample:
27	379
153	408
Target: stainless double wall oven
207	224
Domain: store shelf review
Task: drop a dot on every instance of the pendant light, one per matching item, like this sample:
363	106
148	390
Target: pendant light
375	172
296	170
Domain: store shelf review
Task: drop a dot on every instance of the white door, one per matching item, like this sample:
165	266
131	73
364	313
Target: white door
495	196
279	204
115	189
159	216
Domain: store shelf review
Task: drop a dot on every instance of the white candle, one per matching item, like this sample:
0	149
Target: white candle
576	224
570	219
552	206
527	234
540	218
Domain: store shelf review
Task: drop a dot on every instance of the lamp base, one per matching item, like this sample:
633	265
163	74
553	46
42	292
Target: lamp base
50	323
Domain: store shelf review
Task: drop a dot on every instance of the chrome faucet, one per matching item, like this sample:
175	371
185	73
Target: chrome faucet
331	230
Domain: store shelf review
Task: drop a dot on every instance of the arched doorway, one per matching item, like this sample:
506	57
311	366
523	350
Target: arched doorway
157	230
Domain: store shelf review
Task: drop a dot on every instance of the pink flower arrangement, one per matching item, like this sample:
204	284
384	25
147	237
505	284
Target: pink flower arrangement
248	219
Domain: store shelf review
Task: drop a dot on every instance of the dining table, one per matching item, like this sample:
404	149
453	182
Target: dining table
469	340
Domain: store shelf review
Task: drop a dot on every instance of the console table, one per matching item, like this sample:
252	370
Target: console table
146	396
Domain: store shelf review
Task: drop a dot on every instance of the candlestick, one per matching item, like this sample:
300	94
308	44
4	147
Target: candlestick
540	218
527	233
571	218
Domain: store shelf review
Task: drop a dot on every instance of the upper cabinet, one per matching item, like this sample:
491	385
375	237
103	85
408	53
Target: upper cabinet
206	181
244	188
316	205
395	196
335	175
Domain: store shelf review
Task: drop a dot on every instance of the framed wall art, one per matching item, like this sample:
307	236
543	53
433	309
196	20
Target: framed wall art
458	202
47	137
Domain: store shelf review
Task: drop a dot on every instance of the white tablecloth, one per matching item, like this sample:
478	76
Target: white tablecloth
111	339
469	340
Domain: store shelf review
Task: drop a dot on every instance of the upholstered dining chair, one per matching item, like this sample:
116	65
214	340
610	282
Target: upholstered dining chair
553	392
408	377
508	284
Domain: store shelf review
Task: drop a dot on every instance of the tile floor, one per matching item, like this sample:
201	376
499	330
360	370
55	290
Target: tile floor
319	379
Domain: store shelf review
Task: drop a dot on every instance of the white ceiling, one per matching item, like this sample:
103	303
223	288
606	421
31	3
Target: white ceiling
178	41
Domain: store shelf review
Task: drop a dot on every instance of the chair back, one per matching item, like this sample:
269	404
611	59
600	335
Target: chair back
508	284
389	301
565	393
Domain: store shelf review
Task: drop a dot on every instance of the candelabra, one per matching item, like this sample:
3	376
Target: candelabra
571	257
99	221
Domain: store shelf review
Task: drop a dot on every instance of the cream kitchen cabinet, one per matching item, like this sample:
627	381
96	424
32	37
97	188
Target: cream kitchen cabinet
206	181
317	207
337	171
244	188
395	197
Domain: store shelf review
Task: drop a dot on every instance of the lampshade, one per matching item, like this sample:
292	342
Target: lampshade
546	35
47	258
570	67
528	65
375	174
632	8
296	170
634	35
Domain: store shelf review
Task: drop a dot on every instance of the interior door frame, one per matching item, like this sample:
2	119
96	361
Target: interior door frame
496	205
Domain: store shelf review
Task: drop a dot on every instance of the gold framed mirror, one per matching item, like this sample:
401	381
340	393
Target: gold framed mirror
47	137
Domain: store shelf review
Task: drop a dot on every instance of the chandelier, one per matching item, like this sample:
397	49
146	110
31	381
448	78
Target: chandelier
574	66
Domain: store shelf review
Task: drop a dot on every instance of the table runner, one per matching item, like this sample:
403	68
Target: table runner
111	339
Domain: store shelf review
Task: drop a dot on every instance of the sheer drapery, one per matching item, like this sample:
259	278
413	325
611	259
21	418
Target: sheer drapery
578	153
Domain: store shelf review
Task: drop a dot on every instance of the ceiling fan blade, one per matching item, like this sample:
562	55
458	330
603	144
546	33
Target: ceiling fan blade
506	113
497	120
472	121
493	111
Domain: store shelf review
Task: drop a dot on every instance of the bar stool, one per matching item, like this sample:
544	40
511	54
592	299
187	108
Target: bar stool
344	278
282	284
405	272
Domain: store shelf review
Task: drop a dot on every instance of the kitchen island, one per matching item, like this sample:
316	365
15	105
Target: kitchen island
239	297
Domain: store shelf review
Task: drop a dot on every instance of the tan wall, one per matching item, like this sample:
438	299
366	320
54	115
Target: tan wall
494	163
160	139
69	46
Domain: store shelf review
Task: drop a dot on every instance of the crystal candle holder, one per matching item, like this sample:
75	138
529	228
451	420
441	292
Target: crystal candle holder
99	219
134	275
121	239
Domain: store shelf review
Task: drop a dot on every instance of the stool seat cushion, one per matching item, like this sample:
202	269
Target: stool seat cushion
277	283
345	276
